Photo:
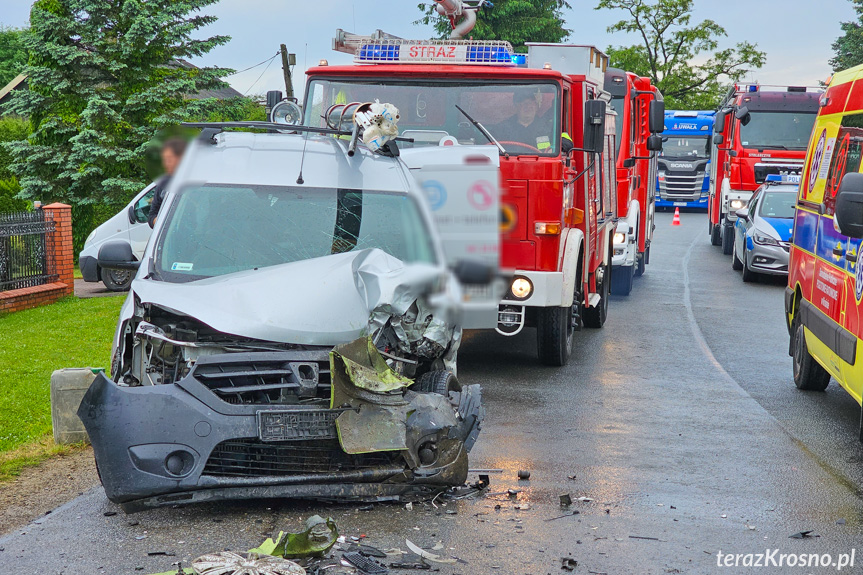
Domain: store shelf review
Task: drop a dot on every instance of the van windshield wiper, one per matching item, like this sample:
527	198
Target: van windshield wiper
484	132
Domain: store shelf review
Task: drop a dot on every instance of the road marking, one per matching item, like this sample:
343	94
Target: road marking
696	331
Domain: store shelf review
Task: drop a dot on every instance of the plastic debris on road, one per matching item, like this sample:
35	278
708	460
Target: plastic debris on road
416	549
228	563
318	538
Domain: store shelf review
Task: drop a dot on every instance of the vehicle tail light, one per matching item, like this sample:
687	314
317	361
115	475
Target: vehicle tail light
547	228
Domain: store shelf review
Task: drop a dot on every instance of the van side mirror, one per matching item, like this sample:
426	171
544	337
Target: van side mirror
719	123
594	125
654	143
656	117
117	255
718	139
743	115
849	205
743	213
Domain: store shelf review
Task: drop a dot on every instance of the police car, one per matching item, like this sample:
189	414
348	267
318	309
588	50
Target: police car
762	232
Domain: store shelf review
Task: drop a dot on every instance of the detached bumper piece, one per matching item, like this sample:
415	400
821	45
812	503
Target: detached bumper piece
221	432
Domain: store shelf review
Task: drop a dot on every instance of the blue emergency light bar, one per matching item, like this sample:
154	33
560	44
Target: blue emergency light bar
474	52
783	178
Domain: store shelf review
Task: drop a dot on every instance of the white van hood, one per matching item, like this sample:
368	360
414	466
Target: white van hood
322	301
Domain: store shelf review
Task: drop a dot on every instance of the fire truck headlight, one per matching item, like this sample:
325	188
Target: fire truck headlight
619	238
521	288
737	204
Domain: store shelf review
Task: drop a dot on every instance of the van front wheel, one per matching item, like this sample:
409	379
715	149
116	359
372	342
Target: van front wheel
808	373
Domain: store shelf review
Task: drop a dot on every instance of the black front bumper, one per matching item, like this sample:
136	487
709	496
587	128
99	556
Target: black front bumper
181	443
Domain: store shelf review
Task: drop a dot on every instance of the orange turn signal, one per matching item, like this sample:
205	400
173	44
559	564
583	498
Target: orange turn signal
547	228
574	216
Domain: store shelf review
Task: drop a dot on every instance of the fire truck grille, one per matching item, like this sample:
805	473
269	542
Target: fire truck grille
679	187
764	170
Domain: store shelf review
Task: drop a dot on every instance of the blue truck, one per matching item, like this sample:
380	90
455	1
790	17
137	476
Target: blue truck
683	179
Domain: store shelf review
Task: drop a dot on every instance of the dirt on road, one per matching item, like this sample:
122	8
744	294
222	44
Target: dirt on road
41	489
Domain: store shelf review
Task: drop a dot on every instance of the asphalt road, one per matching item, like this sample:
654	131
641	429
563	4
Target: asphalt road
678	419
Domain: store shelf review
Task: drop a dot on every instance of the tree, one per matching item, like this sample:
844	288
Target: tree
849	46
684	61
11	130
104	76
13	54
515	21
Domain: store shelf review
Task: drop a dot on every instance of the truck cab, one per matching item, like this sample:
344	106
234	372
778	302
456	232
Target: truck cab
758	130
546	113
684	164
638	119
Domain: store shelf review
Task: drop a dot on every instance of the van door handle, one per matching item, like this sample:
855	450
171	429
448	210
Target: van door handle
839	252
851	258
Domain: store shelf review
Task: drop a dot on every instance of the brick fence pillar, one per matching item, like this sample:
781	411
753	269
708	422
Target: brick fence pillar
60	250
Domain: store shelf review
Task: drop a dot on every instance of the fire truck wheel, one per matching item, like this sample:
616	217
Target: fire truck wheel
554	331
594	317
749	276
727	240
736	264
621	279
808	373
641	263
714	235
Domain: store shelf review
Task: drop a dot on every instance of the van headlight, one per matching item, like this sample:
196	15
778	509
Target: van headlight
737	204
619	238
89	238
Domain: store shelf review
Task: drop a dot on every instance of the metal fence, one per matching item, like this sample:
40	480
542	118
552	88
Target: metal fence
24	258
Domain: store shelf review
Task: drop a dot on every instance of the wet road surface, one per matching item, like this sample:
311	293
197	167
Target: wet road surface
678	419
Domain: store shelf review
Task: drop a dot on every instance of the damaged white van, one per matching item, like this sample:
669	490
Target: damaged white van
291	331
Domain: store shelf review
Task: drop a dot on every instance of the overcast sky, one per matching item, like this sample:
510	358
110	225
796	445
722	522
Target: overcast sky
795	34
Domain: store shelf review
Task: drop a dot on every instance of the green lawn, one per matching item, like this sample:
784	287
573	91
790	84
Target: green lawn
33	343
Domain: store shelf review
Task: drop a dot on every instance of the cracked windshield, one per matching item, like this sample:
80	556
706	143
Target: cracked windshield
524	118
265	226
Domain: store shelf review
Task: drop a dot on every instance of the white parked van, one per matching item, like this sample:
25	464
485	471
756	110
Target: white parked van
129	225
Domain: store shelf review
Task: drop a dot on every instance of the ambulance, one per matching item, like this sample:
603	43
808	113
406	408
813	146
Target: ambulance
825	278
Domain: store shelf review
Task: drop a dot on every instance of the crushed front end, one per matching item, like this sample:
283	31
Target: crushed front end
192	413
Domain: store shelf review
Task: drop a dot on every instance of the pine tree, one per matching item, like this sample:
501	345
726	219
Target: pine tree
104	76
849	46
13	55
515	21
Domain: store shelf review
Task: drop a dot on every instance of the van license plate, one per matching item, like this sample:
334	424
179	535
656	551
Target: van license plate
297	425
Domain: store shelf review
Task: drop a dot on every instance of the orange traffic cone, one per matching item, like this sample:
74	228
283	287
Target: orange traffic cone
676	220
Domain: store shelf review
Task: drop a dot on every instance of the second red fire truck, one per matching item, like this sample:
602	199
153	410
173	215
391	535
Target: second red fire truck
634	99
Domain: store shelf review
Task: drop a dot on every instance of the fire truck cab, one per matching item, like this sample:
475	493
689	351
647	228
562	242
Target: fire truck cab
758	130
547	114
639	119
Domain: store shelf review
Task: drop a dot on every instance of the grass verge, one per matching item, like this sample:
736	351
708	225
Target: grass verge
33	343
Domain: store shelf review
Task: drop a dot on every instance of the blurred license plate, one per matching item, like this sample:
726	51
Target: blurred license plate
297	425
679	203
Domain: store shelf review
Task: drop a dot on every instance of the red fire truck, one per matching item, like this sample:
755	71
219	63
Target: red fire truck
546	112
759	130
634	99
